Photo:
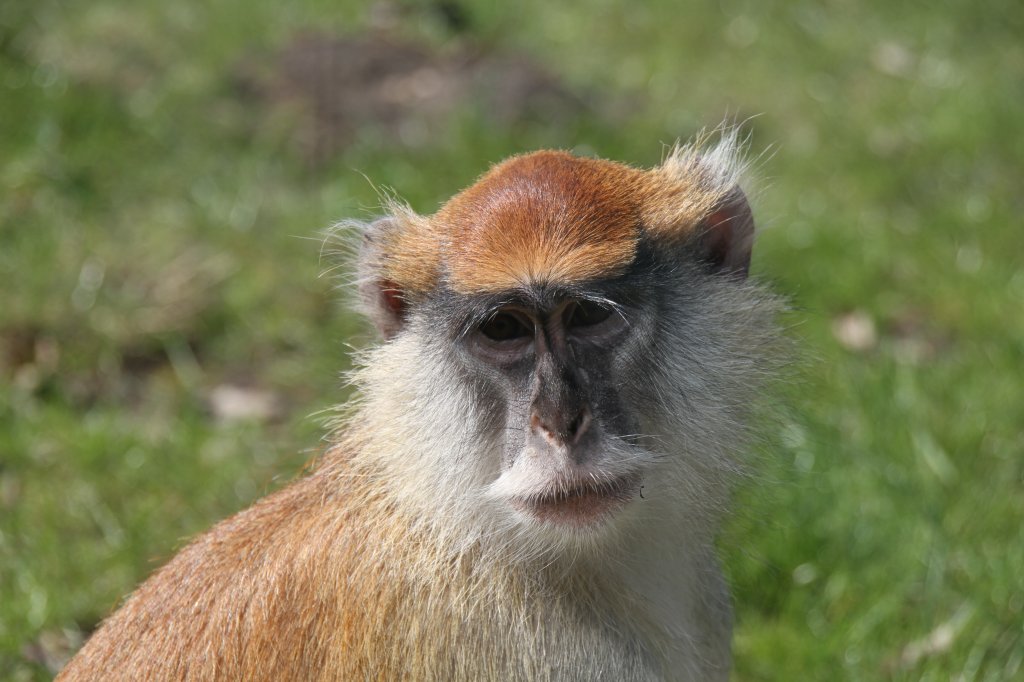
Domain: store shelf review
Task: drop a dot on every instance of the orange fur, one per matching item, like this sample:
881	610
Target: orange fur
545	217
679	195
327	580
359	571
411	252
549	217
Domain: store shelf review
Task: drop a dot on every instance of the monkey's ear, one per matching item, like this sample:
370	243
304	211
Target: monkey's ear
399	263
383	299
727	235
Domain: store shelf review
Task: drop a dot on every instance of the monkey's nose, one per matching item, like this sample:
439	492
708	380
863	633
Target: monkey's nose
558	428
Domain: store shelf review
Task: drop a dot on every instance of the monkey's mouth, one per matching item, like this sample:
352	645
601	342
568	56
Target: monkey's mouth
579	503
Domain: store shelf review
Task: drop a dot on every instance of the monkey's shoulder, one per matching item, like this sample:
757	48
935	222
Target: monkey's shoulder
322	581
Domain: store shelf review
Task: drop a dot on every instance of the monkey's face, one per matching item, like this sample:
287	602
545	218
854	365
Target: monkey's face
591	410
546	363
571	344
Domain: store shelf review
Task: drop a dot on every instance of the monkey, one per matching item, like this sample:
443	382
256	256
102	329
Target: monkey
560	336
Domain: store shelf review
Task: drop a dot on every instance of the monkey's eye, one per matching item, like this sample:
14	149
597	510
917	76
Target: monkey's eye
586	314
505	327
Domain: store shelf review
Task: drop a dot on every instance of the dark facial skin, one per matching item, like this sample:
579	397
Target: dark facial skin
547	359
564	376
543	359
549	354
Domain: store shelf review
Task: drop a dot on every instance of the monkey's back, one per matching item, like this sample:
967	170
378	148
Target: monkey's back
234	604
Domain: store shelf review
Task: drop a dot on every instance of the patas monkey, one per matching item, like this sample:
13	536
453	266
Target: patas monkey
530	485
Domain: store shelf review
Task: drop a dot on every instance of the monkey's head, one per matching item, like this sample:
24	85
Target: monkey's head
570	347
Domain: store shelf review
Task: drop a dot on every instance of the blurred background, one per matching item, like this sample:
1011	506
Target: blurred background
171	328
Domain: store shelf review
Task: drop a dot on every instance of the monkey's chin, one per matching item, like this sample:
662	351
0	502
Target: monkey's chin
580	505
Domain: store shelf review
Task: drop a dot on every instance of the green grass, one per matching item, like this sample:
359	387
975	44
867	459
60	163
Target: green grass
160	237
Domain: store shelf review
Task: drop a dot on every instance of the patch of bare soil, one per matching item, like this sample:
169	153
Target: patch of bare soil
404	90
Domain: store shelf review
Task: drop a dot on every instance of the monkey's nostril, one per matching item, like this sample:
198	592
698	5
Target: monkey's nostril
558	431
578	425
540	425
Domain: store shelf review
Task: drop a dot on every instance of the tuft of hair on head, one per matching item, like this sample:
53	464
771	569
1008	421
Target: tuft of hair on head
551	216
696	196
398	256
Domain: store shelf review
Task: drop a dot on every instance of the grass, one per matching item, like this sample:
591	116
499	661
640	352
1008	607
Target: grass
160	237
